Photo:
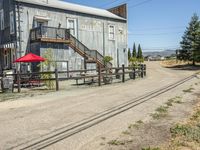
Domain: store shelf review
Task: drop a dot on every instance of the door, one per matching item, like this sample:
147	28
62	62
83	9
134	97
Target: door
42	24
72	25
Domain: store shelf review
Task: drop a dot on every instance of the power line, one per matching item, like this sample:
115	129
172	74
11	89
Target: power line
160	28
141	3
125	1
167	33
109	3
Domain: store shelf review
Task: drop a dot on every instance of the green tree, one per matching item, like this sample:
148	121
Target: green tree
190	41
129	54
139	54
197	52
134	53
46	66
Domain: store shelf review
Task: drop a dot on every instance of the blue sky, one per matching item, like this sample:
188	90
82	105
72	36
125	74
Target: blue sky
155	24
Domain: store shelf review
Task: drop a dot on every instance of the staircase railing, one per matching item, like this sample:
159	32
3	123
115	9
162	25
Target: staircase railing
90	54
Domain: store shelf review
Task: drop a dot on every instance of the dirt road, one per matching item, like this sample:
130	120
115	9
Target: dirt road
30	118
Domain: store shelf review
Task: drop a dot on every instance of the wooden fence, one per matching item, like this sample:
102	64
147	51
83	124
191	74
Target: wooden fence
101	73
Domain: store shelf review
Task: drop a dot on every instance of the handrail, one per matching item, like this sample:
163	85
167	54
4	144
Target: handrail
90	53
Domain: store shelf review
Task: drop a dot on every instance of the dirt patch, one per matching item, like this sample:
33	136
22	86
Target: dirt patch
26	93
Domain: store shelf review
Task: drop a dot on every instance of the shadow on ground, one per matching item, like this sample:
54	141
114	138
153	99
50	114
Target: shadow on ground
184	67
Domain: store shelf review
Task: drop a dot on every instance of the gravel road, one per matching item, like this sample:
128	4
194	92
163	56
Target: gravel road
30	118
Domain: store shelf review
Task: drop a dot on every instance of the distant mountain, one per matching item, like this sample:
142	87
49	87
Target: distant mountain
161	53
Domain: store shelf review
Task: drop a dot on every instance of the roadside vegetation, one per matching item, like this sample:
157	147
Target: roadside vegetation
186	136
162	111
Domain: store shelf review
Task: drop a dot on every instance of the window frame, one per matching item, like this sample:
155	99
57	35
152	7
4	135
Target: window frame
2	26
111	33
12	23
6	58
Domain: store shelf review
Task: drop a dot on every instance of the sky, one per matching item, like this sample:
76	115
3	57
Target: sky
155	24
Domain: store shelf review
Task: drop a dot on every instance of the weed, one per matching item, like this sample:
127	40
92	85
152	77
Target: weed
126	133
162	109
102	144
136	125
103	138
169	102
116	142
139	122
149	148
190	90
158	115
178	102
196	116
131	126
192	133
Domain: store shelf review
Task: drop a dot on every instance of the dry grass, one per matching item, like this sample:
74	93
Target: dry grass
186	136
173	62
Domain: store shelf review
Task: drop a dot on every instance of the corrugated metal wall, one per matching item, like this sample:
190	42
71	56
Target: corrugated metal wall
92	31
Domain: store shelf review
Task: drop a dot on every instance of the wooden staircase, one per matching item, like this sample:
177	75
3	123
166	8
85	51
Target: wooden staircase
91	56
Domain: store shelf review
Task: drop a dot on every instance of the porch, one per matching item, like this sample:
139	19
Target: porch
50	34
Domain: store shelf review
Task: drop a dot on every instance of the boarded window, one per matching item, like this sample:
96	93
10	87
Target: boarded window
2	19
111	32
12	26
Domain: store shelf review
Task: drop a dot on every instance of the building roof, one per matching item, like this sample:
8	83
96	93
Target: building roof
73	7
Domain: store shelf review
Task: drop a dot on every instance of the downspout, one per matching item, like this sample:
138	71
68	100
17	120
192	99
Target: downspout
19	32
103	39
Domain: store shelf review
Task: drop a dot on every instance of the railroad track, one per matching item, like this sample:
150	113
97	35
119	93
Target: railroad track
74	128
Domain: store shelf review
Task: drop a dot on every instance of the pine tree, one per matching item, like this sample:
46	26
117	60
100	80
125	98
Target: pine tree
139	54
185	52
129	54
197	54
190	41
134	53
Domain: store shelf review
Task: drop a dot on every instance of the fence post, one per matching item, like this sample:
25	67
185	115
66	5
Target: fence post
123	74
145	69
142	70
99	73
18	82
134	73
57	82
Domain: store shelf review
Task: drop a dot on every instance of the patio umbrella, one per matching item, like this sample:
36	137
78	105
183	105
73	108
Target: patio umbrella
30	58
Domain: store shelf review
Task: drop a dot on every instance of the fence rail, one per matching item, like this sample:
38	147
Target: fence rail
100	73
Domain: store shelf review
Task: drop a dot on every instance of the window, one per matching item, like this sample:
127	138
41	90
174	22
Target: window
12	26
2	19
6	58
111	32
41	23
71	24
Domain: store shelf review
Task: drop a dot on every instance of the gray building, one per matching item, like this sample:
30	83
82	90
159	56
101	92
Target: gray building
76	35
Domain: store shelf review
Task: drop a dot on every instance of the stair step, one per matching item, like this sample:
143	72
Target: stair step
91	61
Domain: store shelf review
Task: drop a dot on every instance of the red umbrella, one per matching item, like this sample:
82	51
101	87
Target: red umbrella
30	58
